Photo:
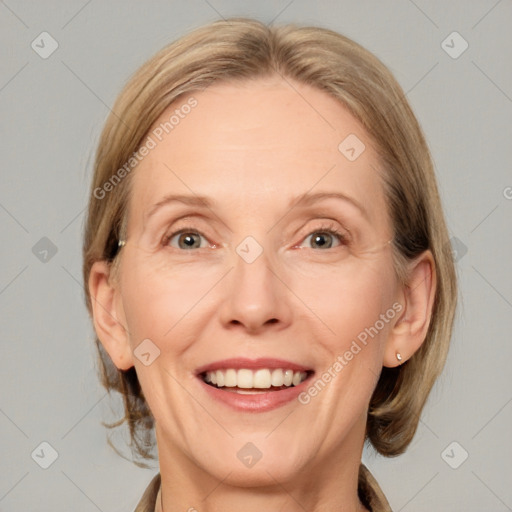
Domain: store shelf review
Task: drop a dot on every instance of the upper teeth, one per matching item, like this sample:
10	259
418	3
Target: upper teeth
262	378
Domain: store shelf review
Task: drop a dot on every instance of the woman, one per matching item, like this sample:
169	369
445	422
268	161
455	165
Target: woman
268	268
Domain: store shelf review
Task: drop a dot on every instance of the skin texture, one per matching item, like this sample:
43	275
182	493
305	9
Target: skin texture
252	148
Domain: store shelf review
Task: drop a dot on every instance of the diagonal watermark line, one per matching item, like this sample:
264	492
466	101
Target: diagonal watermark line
491	80
14	76
285	490
481	275
216	487
485	15
428	428
81	490
501	409
14	485
485	218
414	86
424	14
213	213
84	416
301	300
281	12
72	220
418	492
73	277
85	85
13	218
76	14
281	422
13	13
13	279
198	301
295	205
213	8
199	403
490	490
14	423
422	78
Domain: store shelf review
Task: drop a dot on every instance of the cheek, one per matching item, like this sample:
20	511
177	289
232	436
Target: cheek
351	287
158	305
354	312
156	299
337	302
348	304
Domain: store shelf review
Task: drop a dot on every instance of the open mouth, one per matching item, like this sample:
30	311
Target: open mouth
262	380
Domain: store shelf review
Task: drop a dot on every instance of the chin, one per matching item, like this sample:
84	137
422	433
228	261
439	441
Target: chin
259	463
262	474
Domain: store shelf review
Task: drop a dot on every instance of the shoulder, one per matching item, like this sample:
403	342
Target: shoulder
370	493
148	500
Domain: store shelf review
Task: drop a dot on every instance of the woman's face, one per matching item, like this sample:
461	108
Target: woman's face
284	266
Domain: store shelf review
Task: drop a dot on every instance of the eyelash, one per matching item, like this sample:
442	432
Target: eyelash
330	229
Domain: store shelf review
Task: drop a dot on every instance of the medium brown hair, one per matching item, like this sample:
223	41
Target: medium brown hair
244	49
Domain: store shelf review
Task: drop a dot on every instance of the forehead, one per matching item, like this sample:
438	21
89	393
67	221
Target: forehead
257	142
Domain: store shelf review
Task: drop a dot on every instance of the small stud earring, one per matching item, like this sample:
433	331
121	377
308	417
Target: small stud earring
399	356
121	243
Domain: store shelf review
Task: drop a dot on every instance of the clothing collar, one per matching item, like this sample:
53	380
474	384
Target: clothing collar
370	493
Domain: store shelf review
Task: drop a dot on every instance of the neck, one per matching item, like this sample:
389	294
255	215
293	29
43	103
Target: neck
329	484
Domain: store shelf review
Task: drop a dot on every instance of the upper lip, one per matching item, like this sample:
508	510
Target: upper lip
252	364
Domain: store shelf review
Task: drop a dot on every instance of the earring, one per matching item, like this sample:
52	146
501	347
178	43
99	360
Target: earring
399	356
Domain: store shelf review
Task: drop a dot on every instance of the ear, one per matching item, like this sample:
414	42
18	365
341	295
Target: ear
108	316
417	298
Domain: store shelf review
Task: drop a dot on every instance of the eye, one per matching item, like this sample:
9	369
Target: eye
186	239
326	238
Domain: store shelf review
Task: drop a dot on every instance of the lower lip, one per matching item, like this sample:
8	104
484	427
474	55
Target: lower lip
257	402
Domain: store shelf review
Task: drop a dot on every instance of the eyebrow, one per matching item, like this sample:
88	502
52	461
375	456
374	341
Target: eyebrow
308	198
201	201
305	199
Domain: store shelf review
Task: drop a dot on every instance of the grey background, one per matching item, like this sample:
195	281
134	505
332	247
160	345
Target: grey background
52	111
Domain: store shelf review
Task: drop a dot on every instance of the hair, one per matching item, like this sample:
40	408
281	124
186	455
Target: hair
240	49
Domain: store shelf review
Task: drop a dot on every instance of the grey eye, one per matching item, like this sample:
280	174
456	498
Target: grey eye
186	240
322	239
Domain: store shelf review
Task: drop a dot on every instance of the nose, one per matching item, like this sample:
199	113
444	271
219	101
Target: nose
256	299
